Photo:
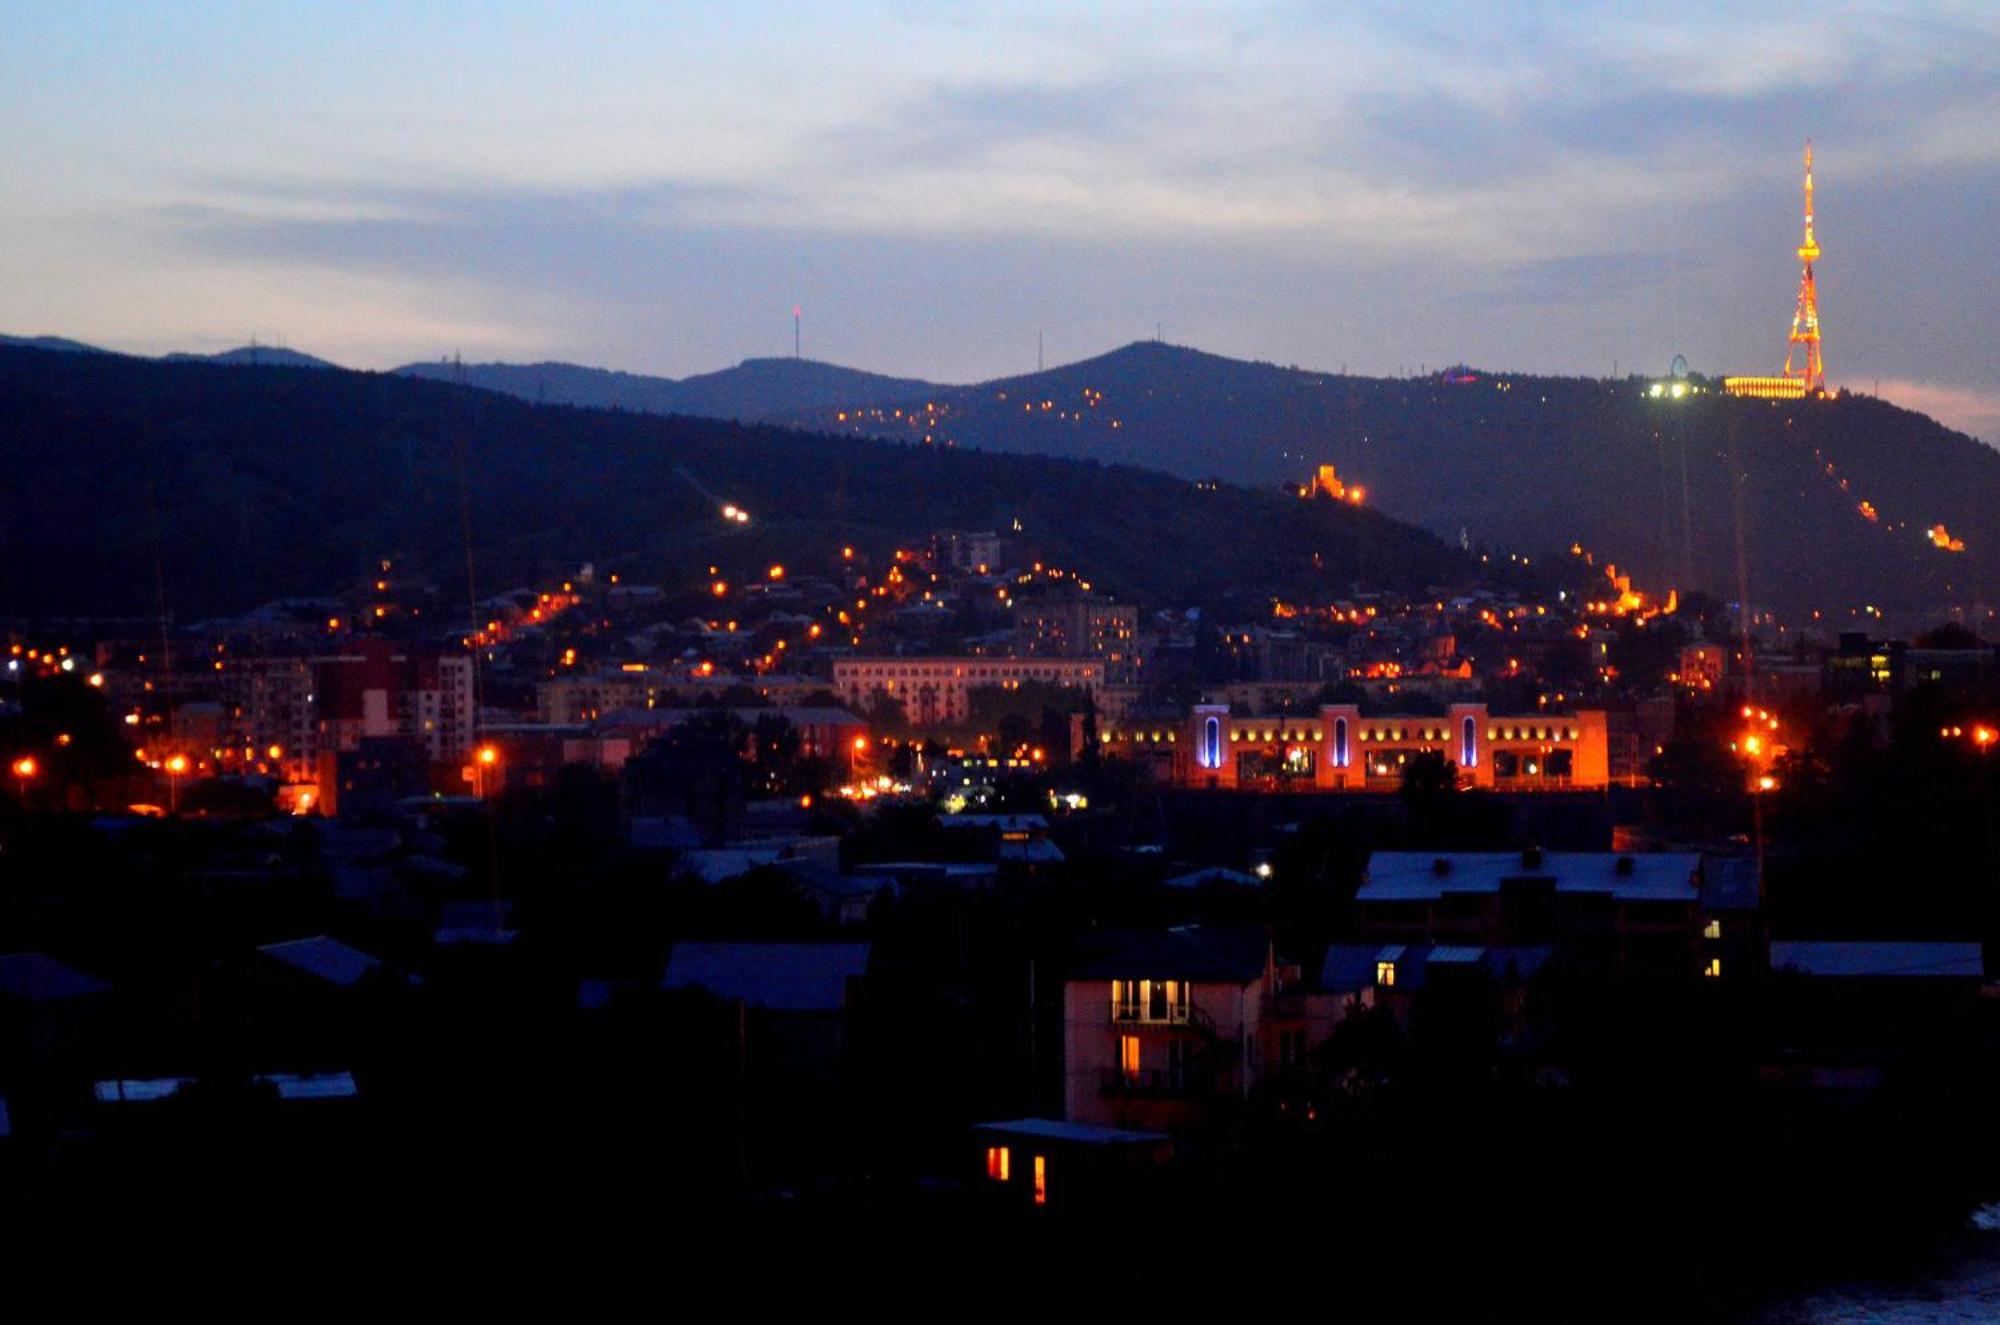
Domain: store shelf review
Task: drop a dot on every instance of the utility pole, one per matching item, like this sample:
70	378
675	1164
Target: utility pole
1034	1072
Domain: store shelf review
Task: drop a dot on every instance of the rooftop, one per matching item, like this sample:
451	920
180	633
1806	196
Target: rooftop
1904	961
1050	1129
325	958
1225	954
1418	876
35	977
786	977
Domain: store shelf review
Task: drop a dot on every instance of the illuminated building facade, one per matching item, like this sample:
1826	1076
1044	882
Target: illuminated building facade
269	704
969	552
1326	483
1338	749
565	700
1161	1028
379	688
1804	372
937	692
1080	627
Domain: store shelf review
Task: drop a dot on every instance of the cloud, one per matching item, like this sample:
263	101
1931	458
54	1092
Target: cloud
1971	410
641	188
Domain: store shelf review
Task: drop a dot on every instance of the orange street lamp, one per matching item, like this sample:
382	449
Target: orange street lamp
485	757
27	767
176	765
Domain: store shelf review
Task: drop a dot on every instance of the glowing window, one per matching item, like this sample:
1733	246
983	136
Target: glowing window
1041	1180
1128	1055
1714	968
1211	743
1385	974
1340	742
1468	745
998	1163
1712	930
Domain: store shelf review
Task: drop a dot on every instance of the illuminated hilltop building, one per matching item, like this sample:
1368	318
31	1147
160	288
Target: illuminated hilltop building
1326	483
1675	386
1809	376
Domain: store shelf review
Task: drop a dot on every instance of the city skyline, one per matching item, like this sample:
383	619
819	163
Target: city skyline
655	189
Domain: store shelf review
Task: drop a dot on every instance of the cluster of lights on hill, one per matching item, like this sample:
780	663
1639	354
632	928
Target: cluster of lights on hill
928	423
1936	535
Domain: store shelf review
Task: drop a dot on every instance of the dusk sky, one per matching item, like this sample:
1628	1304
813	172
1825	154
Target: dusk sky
652	186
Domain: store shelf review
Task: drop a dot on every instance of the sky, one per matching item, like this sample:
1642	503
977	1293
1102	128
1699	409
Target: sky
652	187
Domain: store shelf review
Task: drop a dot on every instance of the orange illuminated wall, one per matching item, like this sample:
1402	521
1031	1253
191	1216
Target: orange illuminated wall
1351	752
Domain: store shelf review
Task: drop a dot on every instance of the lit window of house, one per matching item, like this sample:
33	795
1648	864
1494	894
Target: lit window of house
997	1163
1712	930
1041	1180
1385	974
1128	1056
1714	968
1149	1000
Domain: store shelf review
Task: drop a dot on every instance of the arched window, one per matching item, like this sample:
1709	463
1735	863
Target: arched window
1340	742
1468	745
1211	743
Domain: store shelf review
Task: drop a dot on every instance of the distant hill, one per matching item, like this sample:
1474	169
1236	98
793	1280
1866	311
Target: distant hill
756	390
246	487
269	356
57	343
1708	492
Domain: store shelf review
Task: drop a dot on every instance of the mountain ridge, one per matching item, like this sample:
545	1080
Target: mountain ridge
1840	506
755	390
240	488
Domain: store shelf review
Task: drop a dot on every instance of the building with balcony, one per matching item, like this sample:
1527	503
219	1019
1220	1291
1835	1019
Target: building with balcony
1164	1031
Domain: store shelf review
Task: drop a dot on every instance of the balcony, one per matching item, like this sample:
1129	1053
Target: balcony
1158	1013
1285	1005
1150	1081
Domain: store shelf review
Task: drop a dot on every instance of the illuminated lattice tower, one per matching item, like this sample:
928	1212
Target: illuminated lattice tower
1810	372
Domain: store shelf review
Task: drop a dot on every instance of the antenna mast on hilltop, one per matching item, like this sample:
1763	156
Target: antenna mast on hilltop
1804	372
1805	321
798	312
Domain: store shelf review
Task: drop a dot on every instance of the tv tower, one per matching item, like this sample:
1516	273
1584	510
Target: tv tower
1811	372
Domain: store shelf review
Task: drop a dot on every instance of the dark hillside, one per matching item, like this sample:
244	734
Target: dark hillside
1707	492
246	486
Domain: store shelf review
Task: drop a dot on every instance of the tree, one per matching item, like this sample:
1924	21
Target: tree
1950	635
1429	775
1429	791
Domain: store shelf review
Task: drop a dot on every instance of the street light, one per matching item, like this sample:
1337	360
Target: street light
176	765
485	757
